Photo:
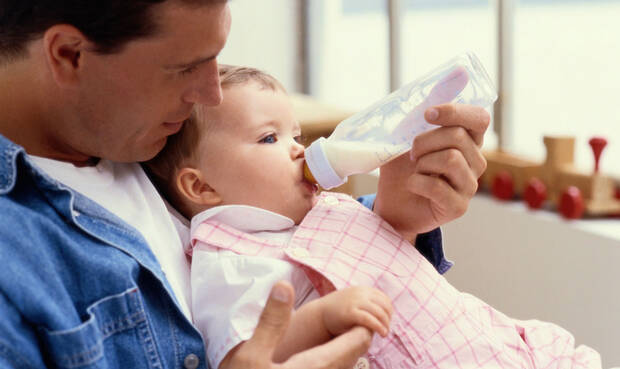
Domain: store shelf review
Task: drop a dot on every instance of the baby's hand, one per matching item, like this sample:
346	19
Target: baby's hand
364	306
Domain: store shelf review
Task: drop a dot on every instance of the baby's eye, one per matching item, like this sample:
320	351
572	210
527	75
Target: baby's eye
300	139
269	139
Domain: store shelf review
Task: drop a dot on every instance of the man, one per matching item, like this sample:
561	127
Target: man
93	273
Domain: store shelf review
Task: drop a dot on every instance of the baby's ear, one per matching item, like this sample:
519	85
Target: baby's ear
192	186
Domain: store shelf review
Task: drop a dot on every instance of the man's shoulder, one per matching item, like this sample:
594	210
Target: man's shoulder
24	222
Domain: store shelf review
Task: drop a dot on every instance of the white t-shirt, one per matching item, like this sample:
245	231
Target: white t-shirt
125	190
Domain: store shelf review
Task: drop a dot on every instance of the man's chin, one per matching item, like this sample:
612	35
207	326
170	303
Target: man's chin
136	157
151	152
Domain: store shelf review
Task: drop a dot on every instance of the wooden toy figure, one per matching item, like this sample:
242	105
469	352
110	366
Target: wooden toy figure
555	182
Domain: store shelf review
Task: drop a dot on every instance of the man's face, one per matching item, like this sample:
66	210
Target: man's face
251	153
131	101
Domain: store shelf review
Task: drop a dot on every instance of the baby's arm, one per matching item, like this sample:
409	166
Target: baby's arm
320	320
331	315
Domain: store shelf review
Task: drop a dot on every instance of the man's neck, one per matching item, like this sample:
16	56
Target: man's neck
28	116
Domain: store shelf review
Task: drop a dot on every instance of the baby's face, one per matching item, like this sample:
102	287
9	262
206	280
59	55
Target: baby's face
252	153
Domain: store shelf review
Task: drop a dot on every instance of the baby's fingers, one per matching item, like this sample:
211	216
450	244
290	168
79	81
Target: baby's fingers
381	299
375	318
368	320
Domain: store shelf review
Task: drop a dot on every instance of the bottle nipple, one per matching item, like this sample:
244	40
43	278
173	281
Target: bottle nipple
308	174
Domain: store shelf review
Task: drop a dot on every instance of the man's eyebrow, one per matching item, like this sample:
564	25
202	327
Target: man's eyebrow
190	64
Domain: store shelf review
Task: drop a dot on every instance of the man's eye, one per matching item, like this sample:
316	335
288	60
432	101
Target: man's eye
269	139
189	70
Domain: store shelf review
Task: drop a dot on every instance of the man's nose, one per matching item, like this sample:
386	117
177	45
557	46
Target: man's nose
206	89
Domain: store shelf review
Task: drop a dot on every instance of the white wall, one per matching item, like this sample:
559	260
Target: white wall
536	265
264	35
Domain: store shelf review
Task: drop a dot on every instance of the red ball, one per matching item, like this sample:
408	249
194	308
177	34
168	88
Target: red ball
535	193
571	203
503	187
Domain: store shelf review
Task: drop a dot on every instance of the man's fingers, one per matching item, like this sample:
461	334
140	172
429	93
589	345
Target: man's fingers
341	352
448	202
450	138
473	118
273	320
451	166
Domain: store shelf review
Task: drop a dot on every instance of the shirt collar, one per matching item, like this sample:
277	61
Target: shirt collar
176	214
9	153
244	218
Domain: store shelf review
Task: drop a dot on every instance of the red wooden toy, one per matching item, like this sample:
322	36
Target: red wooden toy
555	182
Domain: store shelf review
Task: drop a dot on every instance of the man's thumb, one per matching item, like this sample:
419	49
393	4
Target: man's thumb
275	317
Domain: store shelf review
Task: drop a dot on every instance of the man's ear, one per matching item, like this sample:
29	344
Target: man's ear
191	185
64	46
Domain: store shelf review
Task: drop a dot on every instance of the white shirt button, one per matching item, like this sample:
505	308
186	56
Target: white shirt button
191	361
331	200
362	363
300	253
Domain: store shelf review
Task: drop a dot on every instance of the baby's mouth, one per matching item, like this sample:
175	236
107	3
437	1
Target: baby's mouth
312	187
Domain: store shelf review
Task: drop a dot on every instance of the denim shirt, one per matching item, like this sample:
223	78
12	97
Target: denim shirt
79	288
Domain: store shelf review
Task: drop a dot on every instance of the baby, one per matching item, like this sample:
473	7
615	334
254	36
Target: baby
237	171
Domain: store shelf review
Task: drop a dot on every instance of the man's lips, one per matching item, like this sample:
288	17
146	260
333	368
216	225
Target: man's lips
173	127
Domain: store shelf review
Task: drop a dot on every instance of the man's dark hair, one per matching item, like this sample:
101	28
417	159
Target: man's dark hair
110	24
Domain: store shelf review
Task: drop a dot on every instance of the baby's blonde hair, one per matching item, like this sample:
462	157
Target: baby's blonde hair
181	149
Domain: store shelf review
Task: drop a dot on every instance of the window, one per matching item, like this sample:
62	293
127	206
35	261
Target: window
565	74
567	77
349	44
348	51
435	31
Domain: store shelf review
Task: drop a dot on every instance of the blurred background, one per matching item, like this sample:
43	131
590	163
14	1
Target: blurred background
556	64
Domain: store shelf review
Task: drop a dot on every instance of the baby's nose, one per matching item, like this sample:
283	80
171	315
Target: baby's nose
298	150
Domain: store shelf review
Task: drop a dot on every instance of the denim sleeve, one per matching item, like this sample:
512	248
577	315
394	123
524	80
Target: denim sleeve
428	244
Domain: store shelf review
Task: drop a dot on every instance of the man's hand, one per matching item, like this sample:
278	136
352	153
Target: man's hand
353	306
340	353
433	184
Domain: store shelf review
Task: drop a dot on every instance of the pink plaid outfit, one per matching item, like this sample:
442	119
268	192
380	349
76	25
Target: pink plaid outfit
341	243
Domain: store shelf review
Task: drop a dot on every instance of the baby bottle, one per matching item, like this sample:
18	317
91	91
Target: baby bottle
385	130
